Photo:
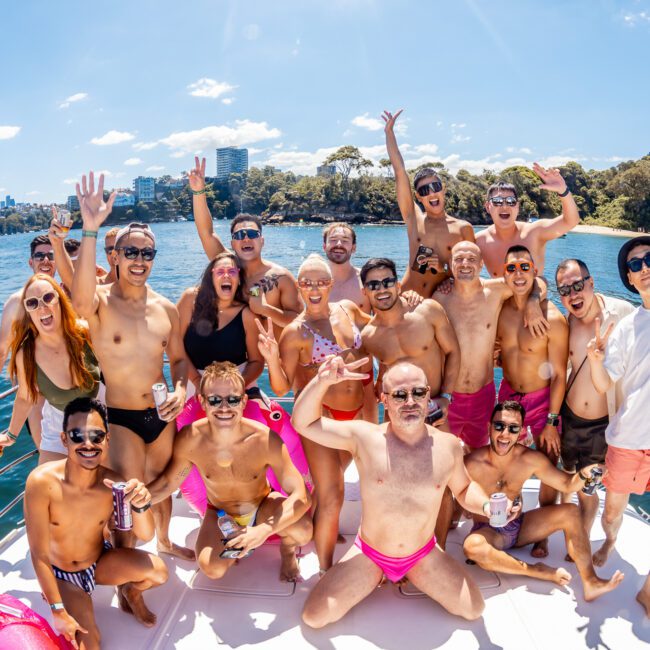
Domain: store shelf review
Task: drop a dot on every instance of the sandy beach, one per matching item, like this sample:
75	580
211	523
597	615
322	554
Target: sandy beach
604	230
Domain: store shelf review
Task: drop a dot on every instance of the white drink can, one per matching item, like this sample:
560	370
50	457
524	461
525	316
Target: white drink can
498	510
159	392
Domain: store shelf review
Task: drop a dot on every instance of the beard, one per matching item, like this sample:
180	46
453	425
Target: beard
338	257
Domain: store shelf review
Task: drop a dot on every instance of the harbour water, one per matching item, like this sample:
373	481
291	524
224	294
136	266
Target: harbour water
180	262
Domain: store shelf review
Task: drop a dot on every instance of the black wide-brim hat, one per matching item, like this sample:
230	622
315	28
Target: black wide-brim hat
622	258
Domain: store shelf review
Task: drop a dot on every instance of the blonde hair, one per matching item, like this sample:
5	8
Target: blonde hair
314	260
111	233
222	370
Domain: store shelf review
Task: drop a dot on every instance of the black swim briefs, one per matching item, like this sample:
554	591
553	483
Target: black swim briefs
583	441
144	423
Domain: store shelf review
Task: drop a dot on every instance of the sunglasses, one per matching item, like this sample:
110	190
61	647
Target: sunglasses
132	252
428	188
565	289
501	426
246	233
311	284
500	200
93	436
109	249
418	394
517	266
39	257
231	272
48	298
636	263
375	285
218	400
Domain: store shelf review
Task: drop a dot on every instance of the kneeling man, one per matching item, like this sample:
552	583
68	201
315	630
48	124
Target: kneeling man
67	506
232	454
504	466
404	467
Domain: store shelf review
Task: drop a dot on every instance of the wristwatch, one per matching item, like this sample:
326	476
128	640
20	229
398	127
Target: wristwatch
448	396
553	419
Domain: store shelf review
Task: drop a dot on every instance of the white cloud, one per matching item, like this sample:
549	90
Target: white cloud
251	32
635	19
524	150
34	193
155	168
227	100
77	97
457	137
300	162
454	125
366	122
133	161
71	181
98	172
210	88
113	137
439	123
429	149
8	132
178	154
144	146
253	151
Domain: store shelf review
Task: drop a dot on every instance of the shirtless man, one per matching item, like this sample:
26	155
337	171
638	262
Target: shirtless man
404	467
68	503
504	466
534	368
109	247
132	327
473	306
431	233
585	412
502	205
339	244
232	454
270	288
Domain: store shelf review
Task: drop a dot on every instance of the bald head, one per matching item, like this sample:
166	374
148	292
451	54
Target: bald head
469	246
466	261
403	373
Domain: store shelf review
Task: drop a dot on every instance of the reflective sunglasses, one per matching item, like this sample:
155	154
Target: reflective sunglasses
48	298
246	233
93	436
517	266
565	289
375	285
498	201
500	426
132	252
428	188
636	263
310	284
218	400
221	271
40	256
418	394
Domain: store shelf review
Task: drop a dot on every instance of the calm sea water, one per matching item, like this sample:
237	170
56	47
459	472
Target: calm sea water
181	260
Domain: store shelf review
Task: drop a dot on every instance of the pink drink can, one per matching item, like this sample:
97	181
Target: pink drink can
498	510
159	392
123	516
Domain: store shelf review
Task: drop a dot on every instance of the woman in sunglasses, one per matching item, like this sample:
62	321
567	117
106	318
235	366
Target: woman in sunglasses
51	356
321	330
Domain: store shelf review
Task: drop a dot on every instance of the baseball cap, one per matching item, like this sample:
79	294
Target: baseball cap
135	227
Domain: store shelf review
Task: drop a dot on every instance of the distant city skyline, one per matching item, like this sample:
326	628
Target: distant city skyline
136	92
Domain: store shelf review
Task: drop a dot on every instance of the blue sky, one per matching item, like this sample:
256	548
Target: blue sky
138	87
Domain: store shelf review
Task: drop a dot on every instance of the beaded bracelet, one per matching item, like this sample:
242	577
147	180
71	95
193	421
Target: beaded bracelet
89	233
197	192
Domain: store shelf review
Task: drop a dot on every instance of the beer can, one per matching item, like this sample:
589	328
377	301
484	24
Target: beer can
65	219
123	516
590	485
159	392
498	510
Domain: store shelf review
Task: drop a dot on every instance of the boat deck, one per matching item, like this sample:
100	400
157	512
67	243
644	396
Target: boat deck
251	608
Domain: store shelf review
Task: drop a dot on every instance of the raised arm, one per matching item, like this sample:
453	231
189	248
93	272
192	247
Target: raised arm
61	257
212	244
94	211
307	411
402	181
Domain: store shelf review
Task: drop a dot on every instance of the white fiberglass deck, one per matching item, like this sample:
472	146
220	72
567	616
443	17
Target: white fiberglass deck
250	608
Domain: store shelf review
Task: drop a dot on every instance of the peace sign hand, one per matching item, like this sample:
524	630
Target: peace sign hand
390	120
596	347
334	370
551	179
266	342
196	176
94	210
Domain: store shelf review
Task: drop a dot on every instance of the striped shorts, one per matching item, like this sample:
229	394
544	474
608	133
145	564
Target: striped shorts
84	579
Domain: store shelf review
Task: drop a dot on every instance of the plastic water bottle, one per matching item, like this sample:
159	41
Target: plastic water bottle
528	440
227	525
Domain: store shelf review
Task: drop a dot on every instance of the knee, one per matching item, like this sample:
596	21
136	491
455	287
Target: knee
315	616
570	515
213	570
159	572
475	608
475	547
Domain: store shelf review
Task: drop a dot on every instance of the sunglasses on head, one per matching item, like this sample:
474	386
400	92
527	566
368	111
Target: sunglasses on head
511	267
310	284
132	252
500	426
94	436
500	200
428	188
636	263
565	289
246	233
218	400
40	256
375	285
48	298
231	271
418	393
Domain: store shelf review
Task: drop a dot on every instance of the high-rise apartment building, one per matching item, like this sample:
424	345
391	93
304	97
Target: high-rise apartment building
231	160
145	188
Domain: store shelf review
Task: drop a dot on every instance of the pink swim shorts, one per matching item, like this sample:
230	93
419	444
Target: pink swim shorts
628	470
536	404
469	415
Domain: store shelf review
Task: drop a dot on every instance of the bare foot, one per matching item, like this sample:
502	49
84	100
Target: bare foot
177	551
289	568
540	549
643	598
598	586
601	555
135	603
558	576
122	602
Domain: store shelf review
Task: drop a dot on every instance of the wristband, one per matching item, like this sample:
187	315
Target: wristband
144	508
11	436
448	396
487	503
57	607
197	192
89	233
584	478
565	193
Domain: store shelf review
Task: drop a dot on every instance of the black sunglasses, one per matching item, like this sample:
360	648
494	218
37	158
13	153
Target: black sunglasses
375	285
418	393
565	289
132	252
428	188
40	256
500	200
217	400
94	436
500	426
636	263
244	233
